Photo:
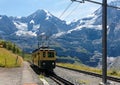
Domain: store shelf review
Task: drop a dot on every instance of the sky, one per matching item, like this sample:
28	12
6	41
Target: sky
55	7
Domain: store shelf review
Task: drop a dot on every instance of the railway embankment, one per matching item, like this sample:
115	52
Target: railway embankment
25	75
80	78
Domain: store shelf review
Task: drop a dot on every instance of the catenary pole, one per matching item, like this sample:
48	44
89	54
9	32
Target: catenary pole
104	35
104	42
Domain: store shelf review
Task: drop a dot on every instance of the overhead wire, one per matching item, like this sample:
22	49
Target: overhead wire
66	9
73	10
96	3
83	1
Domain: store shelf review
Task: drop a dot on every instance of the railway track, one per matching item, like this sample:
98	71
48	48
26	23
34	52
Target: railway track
51	75
59	80
93	74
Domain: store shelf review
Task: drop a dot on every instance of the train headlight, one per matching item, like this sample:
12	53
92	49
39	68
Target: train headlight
53	63
43	63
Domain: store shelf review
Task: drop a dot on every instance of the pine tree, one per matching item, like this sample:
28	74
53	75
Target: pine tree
9	45
4	44
14	48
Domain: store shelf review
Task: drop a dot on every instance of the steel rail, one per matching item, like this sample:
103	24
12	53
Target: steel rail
65	82
93	74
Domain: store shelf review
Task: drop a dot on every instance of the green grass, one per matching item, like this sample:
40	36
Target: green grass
8	59
90	69
28	57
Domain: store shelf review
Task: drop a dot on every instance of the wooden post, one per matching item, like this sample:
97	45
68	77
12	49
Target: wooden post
5	62
16	60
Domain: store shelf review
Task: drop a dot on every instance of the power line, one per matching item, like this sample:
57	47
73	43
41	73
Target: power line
104	36
78	1
95	3
66	9
72	11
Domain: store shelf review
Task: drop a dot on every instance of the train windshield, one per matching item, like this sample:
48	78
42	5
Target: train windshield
50	54
44	54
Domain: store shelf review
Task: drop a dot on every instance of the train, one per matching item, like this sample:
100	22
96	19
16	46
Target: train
44	58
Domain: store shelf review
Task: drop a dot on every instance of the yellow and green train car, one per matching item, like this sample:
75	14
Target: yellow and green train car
44	58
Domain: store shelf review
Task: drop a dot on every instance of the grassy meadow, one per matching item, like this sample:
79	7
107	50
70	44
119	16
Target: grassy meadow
9	59
90	69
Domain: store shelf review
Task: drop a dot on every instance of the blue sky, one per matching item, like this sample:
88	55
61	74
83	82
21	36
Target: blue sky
56	7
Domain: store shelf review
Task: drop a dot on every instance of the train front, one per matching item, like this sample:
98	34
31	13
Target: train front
48	60
44	58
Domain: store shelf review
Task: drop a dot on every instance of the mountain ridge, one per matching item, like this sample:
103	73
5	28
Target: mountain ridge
82	38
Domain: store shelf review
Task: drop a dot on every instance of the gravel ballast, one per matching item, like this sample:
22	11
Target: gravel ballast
80	78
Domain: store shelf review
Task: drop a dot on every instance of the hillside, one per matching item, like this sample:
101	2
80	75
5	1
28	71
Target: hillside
8	59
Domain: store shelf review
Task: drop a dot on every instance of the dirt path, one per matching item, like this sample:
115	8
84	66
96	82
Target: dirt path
19	76
10	76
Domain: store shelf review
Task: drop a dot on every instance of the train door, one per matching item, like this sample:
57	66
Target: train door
39	56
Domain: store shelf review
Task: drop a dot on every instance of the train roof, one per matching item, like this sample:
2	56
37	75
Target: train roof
42	48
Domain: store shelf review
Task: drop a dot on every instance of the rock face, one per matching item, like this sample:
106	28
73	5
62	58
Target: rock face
6	25
82	39
26	30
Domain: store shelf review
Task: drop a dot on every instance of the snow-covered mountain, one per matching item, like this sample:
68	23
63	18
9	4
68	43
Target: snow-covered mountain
115	64
39	22
82	39
25	30
115	3
85	37
6	25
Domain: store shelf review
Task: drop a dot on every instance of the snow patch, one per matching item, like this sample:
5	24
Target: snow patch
43	33
111	59
117	28
97	27
68	22
21	26
87	23
58	34
48	15
93	20
0	17
23	29
36	27
19	17
47	18
25	33
90	16
32	21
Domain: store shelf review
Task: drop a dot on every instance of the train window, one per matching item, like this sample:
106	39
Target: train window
44	54
35	56
50	54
